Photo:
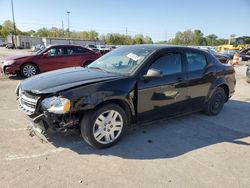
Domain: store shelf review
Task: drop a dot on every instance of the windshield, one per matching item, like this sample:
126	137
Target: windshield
124	60
39	51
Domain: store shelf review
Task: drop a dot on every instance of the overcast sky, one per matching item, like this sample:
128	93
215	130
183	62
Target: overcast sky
160	19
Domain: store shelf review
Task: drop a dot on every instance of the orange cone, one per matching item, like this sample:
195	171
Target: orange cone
236	59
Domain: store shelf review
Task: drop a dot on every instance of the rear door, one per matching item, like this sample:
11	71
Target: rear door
163	96
75	56
200	74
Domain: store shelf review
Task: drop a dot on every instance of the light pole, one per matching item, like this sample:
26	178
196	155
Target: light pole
68	12
14	25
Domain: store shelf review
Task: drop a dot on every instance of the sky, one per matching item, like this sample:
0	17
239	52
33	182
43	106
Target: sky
159	19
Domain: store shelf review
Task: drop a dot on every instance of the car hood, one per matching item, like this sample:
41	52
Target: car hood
16	57
63	79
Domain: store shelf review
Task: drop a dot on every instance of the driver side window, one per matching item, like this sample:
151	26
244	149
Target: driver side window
168	64
56	51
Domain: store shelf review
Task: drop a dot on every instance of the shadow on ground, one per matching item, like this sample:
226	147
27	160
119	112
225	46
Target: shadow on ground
173	137
16	77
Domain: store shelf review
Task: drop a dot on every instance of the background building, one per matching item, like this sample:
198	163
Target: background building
28	42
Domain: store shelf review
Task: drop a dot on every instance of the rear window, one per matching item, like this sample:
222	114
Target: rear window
196	61
75	50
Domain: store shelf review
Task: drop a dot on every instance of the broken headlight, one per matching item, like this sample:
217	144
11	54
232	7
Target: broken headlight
56	104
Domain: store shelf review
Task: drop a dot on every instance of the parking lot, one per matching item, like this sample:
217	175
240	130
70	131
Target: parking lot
189	151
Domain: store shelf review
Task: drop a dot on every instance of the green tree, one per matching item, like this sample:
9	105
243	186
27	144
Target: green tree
43	32
7	28
211	40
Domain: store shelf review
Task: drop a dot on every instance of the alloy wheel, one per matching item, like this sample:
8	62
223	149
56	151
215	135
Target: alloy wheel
108	127
29	70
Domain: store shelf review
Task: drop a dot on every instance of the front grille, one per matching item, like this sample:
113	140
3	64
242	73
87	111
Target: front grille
27	102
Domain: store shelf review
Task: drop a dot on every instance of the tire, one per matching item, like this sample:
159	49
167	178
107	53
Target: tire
98	128
28	70
216	102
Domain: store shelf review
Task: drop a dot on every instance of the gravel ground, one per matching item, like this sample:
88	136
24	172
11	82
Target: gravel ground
189	151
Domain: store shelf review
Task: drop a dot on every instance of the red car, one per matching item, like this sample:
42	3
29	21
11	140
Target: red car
51	58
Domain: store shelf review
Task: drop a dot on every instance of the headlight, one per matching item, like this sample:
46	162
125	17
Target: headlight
57	105
10	62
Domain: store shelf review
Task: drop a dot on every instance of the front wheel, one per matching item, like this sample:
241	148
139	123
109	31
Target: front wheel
104	127
216	102
28	70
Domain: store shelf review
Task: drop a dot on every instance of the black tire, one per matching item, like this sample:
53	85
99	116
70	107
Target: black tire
88	125
216	102
25	70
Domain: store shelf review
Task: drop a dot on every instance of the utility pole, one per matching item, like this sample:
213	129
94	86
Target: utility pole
62	29
126	31
14	26
68	12
166	36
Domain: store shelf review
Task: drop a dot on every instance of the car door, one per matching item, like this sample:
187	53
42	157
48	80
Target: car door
75	56
52	59
200	76
163	96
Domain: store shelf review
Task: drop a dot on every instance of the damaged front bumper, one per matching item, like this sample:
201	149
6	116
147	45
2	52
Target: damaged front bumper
44	121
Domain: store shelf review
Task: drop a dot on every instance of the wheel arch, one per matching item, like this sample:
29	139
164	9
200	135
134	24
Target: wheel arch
30	62
123	103
221	84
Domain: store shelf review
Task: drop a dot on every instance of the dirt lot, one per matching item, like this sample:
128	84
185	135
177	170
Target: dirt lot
190	151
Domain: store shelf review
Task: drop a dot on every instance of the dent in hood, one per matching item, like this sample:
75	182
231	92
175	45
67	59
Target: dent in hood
59	80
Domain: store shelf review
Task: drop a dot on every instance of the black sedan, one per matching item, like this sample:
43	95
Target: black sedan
129	85
245	54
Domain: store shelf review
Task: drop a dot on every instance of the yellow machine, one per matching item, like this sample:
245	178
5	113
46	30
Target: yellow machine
234	43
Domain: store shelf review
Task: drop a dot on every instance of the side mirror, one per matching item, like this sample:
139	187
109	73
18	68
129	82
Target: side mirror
153	73
46	54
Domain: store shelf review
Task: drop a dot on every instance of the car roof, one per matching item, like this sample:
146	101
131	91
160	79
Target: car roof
157	47
56	45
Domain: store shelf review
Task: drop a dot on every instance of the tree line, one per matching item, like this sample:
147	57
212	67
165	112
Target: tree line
188	37
111	38
197	38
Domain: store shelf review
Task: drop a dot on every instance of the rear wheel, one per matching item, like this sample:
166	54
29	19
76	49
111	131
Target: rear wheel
28	70
216	102
104	127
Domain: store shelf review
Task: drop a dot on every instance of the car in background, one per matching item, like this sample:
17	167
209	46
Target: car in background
129	85
103	49
245	54
10	46
222	58
90	46
3	44
48	59
248	73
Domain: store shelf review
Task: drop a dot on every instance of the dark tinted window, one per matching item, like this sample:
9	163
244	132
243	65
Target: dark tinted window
75	50
168	64
196	61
